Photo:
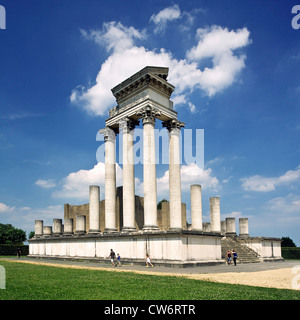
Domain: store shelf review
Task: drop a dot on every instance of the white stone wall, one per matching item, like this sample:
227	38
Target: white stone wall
176	248
263	247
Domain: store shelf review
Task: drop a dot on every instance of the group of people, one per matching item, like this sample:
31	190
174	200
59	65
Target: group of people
231	255
112	257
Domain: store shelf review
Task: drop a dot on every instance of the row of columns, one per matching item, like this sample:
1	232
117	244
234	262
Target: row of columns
215	225
127	125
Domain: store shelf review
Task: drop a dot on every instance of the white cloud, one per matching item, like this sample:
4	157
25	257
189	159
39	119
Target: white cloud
265	184
24	217
114	36
190	174
46	184
5	208
168	14
216	41
76	184
288	204
126	58
218	44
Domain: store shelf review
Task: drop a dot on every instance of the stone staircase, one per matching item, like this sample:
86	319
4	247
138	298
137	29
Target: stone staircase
245	254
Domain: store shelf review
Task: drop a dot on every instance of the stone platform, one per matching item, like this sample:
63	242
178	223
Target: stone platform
173	249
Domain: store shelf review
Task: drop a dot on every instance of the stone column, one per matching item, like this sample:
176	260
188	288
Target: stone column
196	207
38	228
68	229
244	228
80	224
127	126
223	227
94	209
173	127
47	231
57	227
230	227
215	221
150	189
110	179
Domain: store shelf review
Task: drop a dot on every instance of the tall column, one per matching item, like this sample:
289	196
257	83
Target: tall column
196	207
215	221
173	127
150	189
244	228
38	228
127	126
230	227
94	209
110	179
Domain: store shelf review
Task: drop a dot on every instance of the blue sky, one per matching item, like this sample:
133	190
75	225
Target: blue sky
235	66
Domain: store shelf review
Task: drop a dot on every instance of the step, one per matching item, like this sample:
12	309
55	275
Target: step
245	255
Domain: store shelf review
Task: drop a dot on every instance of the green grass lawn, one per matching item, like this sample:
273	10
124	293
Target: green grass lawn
36	282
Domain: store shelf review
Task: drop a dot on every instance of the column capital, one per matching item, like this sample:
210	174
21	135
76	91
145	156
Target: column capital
109	133
127	124
173	126
148	114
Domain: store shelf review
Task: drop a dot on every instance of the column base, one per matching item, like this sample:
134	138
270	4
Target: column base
80	232
94	231
68	234
129	229
230	234
110	230
244	235
56	234
175	230
150	228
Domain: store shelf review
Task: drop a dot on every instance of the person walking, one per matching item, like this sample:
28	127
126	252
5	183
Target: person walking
18	253
148	261
112	256
228	255
234	255
118	260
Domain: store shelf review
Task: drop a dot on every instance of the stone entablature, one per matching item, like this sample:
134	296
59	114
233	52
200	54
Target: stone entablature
147	88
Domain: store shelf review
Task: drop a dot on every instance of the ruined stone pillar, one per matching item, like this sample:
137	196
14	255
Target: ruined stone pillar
80	224
150	189
230	227
110	180
57	227
215	221
94	209
173	127
196	207
127	126
244	227
47	231
68	229
38	228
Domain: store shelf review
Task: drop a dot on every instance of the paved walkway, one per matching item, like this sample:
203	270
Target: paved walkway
249	267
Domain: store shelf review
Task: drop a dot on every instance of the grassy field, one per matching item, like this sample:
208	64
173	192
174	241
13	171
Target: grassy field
36	282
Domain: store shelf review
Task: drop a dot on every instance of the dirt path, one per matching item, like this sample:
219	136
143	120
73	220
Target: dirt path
279	278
